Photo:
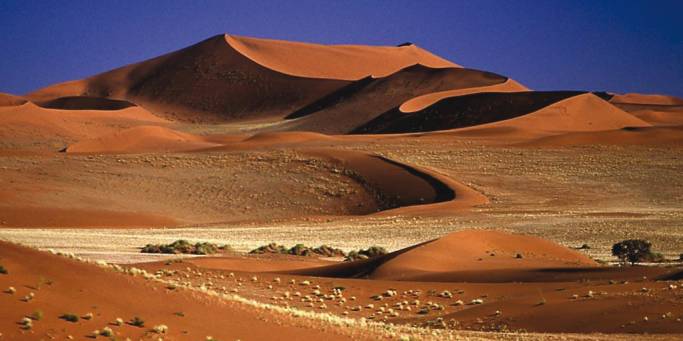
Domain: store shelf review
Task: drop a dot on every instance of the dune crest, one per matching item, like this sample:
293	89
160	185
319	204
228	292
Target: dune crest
424	101
346	62
652	99
8	100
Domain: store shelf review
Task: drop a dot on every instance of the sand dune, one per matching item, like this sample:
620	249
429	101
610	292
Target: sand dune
227	78
7	100
494	113
141	139
421	102
468	255
348	62
646	99
345	109
32	127
63	286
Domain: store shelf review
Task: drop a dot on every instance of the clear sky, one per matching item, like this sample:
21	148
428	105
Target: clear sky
621	46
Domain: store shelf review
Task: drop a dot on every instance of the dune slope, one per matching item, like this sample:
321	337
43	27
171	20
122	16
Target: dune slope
63	286
352	106
548	112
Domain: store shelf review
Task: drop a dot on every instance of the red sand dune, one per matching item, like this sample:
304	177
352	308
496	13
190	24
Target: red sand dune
226	78
468	255
479	250
7	100
141	139
512	116
361	101
646	99
30	126
18	215
348	62
64	286
581	113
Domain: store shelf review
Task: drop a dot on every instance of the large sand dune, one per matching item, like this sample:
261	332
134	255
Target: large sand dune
231	78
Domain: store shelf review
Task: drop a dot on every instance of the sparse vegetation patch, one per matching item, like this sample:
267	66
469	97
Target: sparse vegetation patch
182	246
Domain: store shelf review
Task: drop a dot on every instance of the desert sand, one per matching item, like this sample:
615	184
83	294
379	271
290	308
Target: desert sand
481	189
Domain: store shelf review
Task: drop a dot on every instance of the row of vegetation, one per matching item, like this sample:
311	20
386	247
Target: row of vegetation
184	247
628	251
323	251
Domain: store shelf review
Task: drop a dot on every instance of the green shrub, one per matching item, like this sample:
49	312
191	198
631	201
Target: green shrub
3	270
70	317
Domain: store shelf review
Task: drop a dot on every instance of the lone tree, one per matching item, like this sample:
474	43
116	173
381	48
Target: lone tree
632	250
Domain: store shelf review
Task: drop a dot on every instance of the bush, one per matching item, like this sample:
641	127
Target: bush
299	250
69	317
183	247
634	251
137	322
371	252
3	270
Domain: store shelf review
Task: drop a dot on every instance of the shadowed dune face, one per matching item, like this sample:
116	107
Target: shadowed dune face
85	103
352	106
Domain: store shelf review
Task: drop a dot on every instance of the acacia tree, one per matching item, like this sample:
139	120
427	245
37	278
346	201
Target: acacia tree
632	250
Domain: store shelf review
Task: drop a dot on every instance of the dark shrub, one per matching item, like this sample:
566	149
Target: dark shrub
371	252
633	251
3	270
138	322
184	247
70	317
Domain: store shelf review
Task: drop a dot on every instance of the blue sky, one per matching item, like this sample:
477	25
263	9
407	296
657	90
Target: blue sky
621	46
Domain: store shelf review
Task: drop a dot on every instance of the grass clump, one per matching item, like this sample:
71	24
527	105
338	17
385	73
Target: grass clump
182	246
371	252
137	322
3	271
70	317
37	315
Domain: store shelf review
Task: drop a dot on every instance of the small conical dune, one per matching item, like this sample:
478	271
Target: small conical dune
480	250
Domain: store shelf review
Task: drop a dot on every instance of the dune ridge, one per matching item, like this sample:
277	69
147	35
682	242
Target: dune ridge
354	105
345	62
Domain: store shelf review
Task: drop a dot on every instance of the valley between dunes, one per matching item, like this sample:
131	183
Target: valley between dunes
482	190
